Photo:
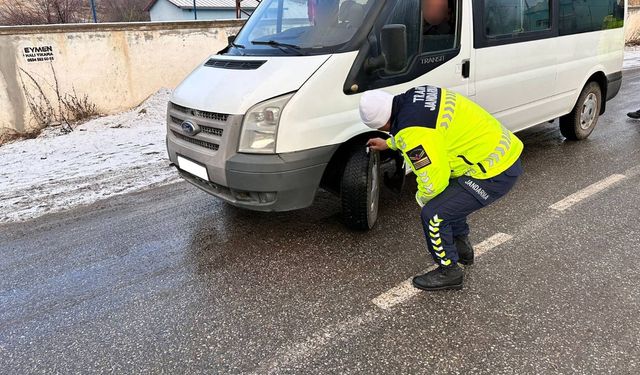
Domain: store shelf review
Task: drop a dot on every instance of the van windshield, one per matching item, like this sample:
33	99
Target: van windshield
300	27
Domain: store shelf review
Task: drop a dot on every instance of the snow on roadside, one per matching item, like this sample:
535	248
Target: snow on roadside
103	157
631	58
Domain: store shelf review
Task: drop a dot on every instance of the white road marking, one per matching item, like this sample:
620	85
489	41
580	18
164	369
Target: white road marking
305	350
398	294
587	192
491	242
405	290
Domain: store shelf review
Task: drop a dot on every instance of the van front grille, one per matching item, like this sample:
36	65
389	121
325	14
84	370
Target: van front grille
199	142
205	129
204	114
176	120
213	131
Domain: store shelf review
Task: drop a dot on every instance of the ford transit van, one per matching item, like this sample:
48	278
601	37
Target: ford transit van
273	117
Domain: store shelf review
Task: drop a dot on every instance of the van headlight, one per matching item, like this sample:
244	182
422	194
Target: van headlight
260	126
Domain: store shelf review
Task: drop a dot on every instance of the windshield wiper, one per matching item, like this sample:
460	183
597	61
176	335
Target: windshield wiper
236	45
280	45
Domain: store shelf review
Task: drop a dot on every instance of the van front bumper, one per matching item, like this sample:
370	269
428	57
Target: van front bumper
280	182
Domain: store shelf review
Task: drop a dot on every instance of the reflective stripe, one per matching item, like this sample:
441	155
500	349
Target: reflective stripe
393	142
424	177
449	110
436	241
502	149
435	221
400	143
426	182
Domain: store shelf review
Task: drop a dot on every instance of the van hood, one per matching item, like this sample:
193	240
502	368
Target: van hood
233	84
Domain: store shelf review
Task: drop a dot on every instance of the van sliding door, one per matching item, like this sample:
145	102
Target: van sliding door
515	61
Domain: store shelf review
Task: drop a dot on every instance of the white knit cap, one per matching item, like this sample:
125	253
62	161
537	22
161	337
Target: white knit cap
375	108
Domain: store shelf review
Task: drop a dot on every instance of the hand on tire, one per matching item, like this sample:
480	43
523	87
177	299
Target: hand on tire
377	144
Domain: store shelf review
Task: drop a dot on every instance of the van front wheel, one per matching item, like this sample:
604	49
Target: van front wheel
581	121
360	188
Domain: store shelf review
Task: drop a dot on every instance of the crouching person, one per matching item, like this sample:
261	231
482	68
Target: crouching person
463	159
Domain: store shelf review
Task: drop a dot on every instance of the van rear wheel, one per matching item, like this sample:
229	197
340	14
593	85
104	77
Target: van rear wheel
581	121
360	188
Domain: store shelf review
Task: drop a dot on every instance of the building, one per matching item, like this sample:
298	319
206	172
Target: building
634	6
178	10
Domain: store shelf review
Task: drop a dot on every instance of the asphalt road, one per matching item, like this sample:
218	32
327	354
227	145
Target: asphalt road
170	280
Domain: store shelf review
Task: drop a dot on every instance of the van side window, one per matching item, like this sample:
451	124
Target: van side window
431	24
433	39
581	16
512	17
439	25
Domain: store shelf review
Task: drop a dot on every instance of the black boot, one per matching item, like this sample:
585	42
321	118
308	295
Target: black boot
449	277
465	250
634	115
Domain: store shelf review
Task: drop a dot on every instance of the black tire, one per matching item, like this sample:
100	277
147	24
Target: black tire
360	189
581	121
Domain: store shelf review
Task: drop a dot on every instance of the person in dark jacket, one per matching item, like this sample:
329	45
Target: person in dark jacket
436	17
437	28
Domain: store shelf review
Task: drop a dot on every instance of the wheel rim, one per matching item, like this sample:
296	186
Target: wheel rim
374	190
589	111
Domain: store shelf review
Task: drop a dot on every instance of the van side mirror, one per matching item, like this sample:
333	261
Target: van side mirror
393	44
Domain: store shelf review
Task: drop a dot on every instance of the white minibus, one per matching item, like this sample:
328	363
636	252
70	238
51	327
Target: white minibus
273	117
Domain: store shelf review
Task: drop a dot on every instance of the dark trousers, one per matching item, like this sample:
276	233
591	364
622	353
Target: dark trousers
445	216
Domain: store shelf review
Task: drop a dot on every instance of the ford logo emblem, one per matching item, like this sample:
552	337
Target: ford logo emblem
189	127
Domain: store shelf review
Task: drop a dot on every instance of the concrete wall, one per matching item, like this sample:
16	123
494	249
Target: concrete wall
116	65
632	23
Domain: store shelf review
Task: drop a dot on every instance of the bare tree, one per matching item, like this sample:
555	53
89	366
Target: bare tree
38	12
125	11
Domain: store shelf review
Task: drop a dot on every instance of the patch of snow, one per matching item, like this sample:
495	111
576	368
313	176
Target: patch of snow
631	58
103	157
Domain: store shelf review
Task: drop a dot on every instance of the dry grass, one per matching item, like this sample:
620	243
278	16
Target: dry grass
50	106
8	135
64	108
632	29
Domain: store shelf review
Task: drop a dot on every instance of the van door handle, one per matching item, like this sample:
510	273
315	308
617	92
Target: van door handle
466	68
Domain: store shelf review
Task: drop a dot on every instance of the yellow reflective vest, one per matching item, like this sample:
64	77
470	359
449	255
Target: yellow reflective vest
443	135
